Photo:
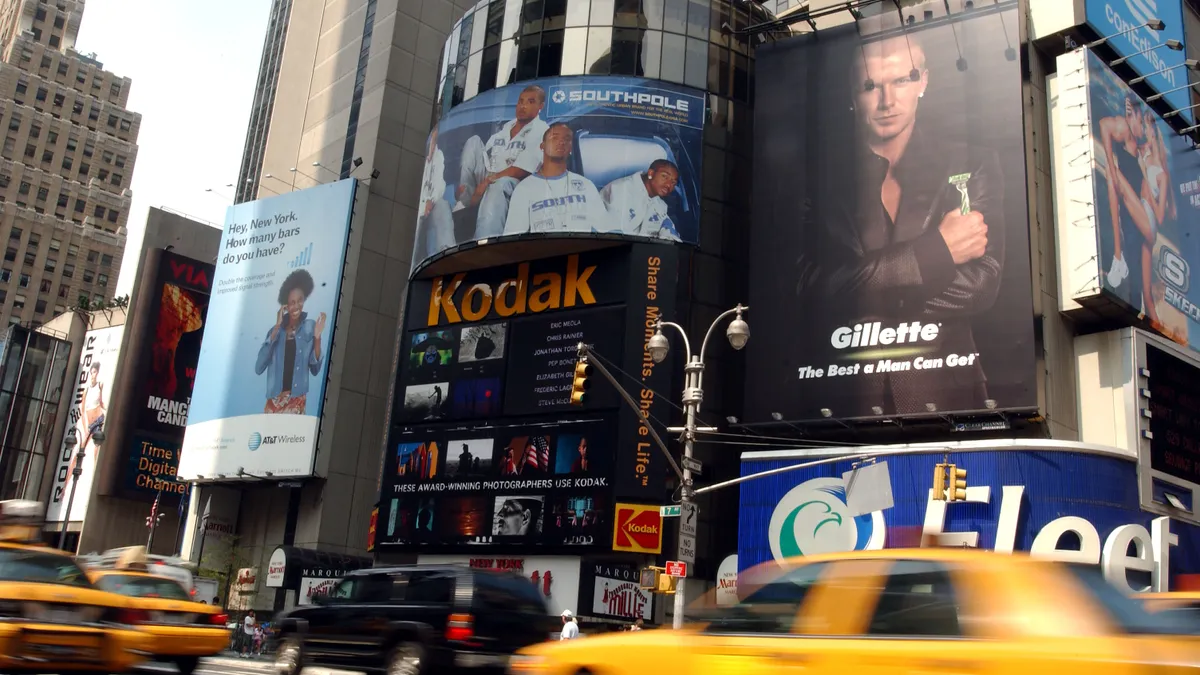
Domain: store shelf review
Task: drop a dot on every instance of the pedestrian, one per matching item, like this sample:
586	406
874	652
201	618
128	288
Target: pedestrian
637	625
248	627
570	629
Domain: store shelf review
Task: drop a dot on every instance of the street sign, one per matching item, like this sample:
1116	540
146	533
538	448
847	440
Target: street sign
688	518
692	464
669	511
676	568
687	549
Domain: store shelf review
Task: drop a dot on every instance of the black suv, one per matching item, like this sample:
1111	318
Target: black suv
415	620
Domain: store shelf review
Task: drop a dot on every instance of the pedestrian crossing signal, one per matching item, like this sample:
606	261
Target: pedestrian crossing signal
581	383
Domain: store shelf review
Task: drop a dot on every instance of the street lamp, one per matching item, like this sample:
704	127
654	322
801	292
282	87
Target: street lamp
738	333
71	441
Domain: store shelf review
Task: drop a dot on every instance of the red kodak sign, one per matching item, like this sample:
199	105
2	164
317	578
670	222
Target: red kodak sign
637	528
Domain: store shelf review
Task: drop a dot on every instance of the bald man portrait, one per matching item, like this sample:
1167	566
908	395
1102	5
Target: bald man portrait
911	229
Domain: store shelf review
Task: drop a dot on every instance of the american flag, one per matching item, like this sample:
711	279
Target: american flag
537	454
153	510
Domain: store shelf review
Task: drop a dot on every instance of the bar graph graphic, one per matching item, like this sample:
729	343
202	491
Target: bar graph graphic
304	258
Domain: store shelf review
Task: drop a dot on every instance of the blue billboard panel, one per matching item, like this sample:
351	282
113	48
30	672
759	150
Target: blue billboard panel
1145	47
1059	503
260	380
1147	197
565	156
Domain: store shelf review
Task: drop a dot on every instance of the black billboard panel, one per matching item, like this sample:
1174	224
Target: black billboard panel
889	235
1175	408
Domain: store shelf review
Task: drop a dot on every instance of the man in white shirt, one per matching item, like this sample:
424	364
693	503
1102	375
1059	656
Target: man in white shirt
636	202
434	218
554	200
489	172
570	629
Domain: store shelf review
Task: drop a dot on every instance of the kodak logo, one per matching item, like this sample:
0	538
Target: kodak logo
518	295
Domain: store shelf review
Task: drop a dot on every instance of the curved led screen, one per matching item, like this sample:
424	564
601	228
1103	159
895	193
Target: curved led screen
569	156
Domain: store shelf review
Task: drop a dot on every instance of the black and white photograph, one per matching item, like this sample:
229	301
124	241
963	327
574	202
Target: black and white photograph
482	343
423	402
518	516
469	458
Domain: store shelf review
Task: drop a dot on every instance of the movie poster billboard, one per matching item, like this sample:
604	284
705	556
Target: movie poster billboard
261	375
564	156
889	231
89	407
165	372
1146	183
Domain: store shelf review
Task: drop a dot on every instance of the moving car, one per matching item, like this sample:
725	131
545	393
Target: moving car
417	619
182	630
1184	606
931	611
52	618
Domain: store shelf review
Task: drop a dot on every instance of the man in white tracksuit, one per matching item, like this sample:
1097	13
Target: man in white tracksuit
489	172
636	202
553	199
434	217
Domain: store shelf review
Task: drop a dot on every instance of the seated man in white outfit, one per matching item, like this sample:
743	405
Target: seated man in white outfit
554	199
434	217
636	202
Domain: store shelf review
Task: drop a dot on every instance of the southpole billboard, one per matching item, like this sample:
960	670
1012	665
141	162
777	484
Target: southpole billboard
889	228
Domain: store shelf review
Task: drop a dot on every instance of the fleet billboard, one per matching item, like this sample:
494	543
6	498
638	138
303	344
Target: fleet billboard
1124	22
1018	499
1129	241
889	227
262	370
564	156
484	447
165	372
89	406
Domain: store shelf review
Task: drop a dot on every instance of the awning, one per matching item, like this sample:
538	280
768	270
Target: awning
289	564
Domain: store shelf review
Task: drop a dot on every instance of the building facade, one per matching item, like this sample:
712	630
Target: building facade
65	166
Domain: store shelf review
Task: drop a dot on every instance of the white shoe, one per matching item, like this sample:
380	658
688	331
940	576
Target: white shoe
1117	272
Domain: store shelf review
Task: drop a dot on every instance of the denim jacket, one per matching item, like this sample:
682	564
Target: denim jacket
270	358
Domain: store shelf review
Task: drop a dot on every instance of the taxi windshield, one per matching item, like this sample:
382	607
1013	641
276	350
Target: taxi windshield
136	586
40	567
1127	613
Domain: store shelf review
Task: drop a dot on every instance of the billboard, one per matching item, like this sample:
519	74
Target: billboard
1020	499
564	156
260	382
1129	240
89	406
165	372
889	228
1125	21
610	590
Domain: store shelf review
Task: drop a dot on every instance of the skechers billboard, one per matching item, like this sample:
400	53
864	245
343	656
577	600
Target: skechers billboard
889	231
260	383
564	156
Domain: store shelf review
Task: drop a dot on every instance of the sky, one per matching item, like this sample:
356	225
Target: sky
193	64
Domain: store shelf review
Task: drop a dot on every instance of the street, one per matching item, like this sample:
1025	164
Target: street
232	665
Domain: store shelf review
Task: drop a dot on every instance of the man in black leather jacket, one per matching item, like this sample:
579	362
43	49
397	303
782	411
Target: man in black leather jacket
899	239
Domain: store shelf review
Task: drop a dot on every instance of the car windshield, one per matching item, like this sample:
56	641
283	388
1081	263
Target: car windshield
1189	614
40	567
1127	613
136	586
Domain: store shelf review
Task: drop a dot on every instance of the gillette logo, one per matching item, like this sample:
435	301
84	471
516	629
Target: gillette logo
874	334
624	96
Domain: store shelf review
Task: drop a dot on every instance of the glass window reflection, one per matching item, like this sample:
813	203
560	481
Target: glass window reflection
531	17
627	52
474	64
550	60
695	72
527	57
599	54
574	51
507	70
488	69
652	53
513	11
652	11
578	12
479	30
628	14
698	16
555	17
674	50
602	12
495	23
675	14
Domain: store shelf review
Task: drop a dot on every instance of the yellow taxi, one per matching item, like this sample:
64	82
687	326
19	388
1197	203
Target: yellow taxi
182	630
1183	606
52	619
930	611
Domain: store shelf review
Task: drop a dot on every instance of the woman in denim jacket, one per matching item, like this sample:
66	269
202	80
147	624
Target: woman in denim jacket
292	349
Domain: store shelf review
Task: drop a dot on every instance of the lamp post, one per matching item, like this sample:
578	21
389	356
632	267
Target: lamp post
72	440
738	333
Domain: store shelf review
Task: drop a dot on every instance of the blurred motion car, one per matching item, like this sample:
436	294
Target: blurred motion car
182	630
52	619
1184	606
928	610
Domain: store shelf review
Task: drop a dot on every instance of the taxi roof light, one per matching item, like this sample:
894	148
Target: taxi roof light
21	520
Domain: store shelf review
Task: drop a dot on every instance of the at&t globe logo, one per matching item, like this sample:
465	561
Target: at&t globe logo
255	441
813	518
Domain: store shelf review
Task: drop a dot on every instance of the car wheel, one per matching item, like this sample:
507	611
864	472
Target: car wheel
186	664
288	657
406	658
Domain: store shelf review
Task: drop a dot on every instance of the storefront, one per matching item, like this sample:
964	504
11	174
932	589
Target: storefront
1068	501
303	572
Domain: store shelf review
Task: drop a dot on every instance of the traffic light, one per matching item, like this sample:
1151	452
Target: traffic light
581	384
939	482
655	580
958	484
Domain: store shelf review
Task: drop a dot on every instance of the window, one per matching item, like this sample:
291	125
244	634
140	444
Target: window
59	22
45	285
10	254
120	161
30	257
112	121
93	115
917	600
55	41
142	587
30	150
14	123
113	215
98	298
51	264
40	14
43	193
77	108
68	271
80	79
9	147
72	250
5	180
15	234
84	169
107	155
39	307
35	131
59	309
25	188
102	174
52	138
116	179
6	275
773	607
41	94
99	213
46	62
126	125
89	276
106	260
89	149
80	205
67	163
59	100
18	301
92	256
47	156
64	291
72	143
56	244
24	281
508	594
114	90
62	65
102	279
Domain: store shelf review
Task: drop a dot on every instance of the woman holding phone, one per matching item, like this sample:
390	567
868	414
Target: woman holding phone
292	350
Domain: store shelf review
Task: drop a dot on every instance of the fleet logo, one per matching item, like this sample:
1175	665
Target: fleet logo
1176	274
255	441
813	518
637	529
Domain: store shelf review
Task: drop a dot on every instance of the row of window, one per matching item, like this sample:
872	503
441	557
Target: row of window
43	194
42	94
40	306
51	265
35	239
89	146
45	285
